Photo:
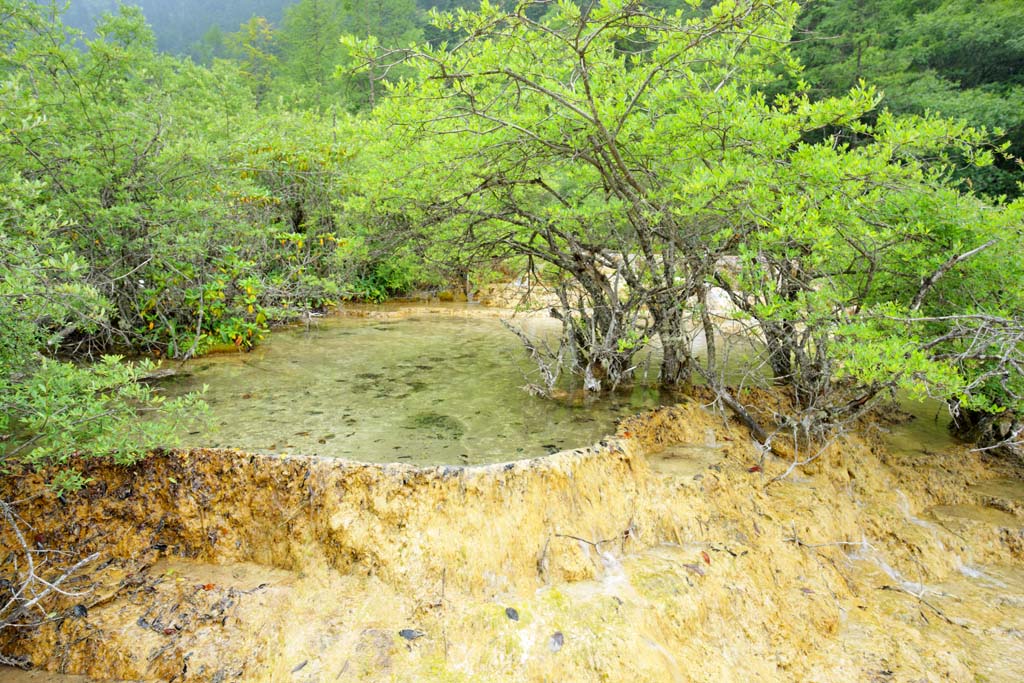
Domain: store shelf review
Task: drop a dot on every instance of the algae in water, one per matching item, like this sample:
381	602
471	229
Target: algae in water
437	425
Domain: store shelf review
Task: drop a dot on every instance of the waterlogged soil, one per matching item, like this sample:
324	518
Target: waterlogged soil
402	386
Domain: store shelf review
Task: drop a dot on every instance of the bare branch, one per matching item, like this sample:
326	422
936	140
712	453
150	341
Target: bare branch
930	281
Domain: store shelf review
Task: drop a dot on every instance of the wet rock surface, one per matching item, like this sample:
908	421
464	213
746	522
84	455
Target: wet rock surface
867	564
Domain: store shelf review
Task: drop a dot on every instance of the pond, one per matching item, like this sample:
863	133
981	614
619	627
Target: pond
428	388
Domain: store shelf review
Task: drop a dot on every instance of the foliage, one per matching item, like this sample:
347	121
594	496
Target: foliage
637	159
637	154
178	25
311	50
201	219
255	47
52	411
954	57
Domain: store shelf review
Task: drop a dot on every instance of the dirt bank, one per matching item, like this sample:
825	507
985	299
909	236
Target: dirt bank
657	555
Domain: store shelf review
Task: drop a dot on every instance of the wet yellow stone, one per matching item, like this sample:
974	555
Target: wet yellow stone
681	566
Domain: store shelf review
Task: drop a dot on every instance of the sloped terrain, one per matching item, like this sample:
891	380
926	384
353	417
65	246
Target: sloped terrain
666	553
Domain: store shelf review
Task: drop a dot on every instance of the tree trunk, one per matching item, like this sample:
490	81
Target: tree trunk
779	340
677	359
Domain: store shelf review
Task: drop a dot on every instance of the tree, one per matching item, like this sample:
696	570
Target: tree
50	409
255	46
201	218
211	46
588	190
636	155
958	58
389	23
124	141
54	413
180	25
311	49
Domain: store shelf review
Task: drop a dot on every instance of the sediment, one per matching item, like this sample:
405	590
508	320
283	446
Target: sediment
667	552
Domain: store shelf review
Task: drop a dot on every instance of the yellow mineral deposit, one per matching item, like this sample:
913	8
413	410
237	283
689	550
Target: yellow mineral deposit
657	556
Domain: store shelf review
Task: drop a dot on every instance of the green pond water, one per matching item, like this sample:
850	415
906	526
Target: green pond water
426	389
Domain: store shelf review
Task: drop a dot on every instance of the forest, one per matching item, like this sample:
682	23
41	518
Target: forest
180	178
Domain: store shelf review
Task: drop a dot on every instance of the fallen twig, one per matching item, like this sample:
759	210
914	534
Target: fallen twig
594	544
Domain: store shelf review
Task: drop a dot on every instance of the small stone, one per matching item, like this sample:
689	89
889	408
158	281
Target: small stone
511	613
79	611
557	641
411	633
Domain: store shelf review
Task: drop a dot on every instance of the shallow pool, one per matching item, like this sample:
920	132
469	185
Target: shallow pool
424	389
